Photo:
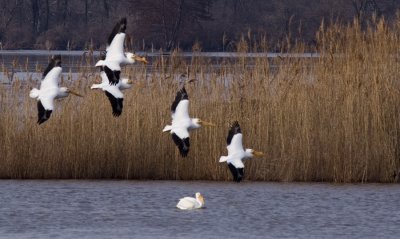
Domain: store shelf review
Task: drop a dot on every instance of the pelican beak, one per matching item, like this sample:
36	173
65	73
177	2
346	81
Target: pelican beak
74	93
139	58
258	153
130	82
205	123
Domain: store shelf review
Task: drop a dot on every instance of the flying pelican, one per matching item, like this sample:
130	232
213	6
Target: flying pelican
236	152
115	56
188	203
182	123
113	92
49	90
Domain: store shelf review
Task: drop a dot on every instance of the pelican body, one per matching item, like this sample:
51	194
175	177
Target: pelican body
115	55
113	91
236	152
189	203
49	90
182	123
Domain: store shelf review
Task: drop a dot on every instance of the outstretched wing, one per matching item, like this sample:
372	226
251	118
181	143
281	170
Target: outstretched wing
116	103
115	48
180	106
235	129
120	27
181	139
237	172
43	114
112	75
51	74
54	62
234	139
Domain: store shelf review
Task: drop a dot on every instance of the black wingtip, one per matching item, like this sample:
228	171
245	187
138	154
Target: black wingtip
120	27
43	114
117	104
234	129
113	76
237	173
180	95
54	61
235	125
57	60
116	114
183	145
103	55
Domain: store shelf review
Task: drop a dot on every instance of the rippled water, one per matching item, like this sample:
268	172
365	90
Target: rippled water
146	209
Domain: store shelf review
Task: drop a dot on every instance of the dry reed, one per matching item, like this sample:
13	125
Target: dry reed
333	118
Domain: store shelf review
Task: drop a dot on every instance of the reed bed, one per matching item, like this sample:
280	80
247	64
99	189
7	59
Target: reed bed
334	118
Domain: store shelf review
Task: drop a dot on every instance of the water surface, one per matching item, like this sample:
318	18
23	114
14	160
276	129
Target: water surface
146	209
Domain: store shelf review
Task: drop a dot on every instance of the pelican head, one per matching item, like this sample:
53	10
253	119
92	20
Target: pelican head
253	153
200	198
200	123
132	58
125	83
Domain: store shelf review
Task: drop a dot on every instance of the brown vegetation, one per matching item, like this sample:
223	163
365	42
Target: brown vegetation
333	118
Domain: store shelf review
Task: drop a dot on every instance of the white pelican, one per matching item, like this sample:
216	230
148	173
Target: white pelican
182	123
188	203
49	90
115	56
236	152
113	92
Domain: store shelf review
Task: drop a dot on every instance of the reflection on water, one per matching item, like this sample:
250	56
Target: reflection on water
146	209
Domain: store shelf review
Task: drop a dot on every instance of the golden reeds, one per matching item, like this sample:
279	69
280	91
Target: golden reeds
333	118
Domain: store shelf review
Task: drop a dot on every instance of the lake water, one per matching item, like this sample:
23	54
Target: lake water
20	64
146	209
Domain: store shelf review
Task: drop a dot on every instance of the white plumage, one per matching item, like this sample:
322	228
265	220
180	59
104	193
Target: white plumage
189	203
182	123
236	152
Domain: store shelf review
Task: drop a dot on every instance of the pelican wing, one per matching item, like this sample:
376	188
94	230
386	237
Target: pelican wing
104	78
236	145
44	112
237	172
115	100
115	48
180	136
50	80
54	62
235	129
181	112
120	27
187	203
112	75
181	103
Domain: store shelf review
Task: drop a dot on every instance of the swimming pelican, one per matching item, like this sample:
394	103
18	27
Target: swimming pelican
236	153
113	92
188	203
182	123
115	56
49	90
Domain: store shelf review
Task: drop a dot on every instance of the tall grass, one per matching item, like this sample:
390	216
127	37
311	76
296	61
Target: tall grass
333	118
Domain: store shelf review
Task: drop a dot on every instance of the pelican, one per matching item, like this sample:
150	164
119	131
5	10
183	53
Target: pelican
188	203
182	123
113	92
49	90
236	153
115	56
